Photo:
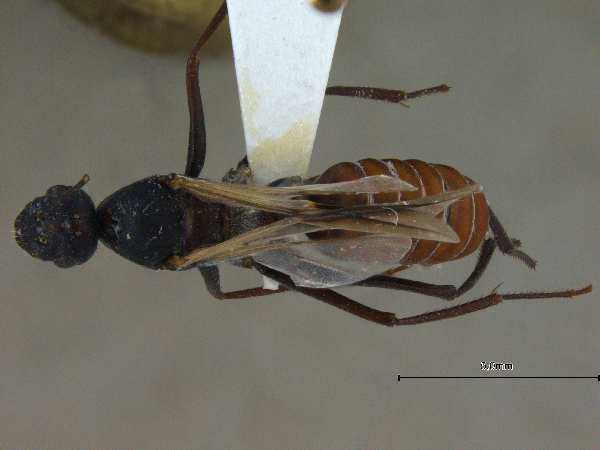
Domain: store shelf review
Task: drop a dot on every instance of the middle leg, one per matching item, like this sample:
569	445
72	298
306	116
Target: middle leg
332	298
212	280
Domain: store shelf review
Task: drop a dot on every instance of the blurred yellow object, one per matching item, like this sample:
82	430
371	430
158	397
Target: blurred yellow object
161	26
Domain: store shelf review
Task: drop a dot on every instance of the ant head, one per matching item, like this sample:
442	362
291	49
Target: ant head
60	226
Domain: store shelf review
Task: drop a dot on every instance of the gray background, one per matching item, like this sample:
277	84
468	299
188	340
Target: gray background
110	355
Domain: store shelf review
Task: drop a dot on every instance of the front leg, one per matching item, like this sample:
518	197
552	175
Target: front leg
197	134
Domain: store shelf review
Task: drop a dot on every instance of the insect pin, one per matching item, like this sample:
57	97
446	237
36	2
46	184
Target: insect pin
356	224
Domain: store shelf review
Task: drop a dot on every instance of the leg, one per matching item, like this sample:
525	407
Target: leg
240	175
389	319
386	95
197	134
507	245
486	302
213	285
332	298
447	292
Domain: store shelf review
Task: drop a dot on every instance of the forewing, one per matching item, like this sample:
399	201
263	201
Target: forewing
262	198
388	229
373	184
406	222
285	200
245	244
432	204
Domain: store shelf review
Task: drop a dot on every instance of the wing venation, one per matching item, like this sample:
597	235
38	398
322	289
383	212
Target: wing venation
388	230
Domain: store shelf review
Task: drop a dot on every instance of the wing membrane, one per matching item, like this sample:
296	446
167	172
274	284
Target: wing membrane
388	228
264	199
284	200
292	231
341	262
367	185
441	231
430	204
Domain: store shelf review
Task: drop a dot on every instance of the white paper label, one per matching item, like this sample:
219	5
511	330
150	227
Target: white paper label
283	51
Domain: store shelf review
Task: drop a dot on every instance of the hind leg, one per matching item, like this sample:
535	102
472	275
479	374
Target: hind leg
500	239
507	245
389	319
447	292
486	302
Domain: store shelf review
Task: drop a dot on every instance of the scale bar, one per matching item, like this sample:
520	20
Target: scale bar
597	378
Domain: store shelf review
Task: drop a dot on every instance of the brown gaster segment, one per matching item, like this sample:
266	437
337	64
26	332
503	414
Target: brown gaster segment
482	220
469	217
432	184
345	171
409	172
460	217
372	167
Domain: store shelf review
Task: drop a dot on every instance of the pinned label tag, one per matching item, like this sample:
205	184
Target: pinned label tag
283	51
